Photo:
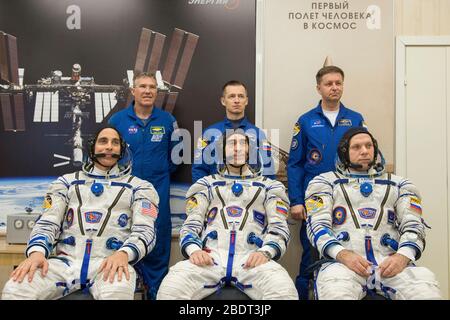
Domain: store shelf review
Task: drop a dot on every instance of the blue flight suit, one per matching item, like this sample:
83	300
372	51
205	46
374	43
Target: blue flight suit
313	151
205	163
151	145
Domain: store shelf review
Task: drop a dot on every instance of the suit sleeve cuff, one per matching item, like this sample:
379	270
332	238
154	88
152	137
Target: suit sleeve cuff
408	252
35	249
190	249
270	249
333	251
130	252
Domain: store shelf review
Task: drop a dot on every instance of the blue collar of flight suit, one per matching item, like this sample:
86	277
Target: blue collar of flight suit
342	111
243	124
131	113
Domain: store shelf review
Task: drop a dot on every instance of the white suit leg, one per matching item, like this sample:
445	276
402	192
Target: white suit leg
413	283
270	281
117	290
40	288
186	281
337	282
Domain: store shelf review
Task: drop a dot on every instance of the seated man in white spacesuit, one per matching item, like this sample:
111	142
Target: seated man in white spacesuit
235	228
368	227
100	220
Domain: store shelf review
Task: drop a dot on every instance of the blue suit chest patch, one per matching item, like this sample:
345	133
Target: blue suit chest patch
314	156
133	130
211	215
391	216
92	216
259	217
345	122
367	213
158	130
317	123
234	211
339	215
69	217
123	220
157	133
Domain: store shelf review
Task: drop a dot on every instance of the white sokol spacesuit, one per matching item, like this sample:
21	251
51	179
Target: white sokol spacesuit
231	217
89	215
374	214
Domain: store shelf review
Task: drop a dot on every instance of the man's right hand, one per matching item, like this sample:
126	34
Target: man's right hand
354	262
29	266
298	212
201	258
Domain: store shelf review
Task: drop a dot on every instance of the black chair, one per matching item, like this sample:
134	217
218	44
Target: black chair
78	295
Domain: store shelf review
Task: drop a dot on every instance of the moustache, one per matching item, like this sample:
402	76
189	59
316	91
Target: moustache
103	155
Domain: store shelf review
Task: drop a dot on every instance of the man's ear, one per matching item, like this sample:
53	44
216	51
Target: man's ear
318	89
222	101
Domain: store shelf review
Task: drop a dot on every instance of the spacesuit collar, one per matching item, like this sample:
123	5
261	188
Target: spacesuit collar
351	173
97	171
115	172
246	174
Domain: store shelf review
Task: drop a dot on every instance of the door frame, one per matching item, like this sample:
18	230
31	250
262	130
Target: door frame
402	43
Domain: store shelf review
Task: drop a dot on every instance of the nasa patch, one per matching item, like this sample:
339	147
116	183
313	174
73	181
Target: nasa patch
339	215
211	215
367	213
92	216
234	211
133	130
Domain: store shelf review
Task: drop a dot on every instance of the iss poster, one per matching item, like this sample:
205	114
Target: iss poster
46	38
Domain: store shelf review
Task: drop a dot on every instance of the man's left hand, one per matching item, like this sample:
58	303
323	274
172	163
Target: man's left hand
393	265
255	259
117	262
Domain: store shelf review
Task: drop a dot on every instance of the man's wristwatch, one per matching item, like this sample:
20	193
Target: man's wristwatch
266	254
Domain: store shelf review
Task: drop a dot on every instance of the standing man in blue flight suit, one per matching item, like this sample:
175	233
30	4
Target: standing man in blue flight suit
234	99
313	151
148	131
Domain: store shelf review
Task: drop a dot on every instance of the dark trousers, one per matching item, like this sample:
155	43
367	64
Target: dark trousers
302	280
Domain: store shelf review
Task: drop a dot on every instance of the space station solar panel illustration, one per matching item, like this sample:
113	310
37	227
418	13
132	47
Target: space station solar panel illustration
12	106
77	97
